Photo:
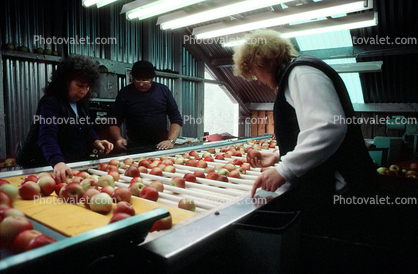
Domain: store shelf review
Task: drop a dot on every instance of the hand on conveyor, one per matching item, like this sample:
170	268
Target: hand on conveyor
104	145
61	172
269	180
266	160
165	145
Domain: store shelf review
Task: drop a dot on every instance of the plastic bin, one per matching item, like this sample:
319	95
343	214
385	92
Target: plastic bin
269	241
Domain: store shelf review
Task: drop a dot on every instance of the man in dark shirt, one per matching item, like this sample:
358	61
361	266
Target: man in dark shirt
144	105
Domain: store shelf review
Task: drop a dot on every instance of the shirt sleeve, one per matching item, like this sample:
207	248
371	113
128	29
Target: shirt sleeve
118	110
48	133
317	105
173	110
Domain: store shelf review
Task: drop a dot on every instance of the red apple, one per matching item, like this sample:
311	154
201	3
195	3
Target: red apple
191	162
11	226
219	157
10	190
4	182
114	162
112	168
237	154
89	183
162	166
114	174
83	174
58	188
162	224
237	162
47	185
39	241
122	194
76	180
193	153
72	193
23	239
107	189
124	207
413	166
234	174
101	203
187	203
132	171
211	150
206	154
106	180
86	199
185	156
180	161
136	188
213	175
229	166
157	185
208	170
122	165
42	174
201	164
32	178
246	166
5	199
128	161
149	193
29	190
102	166
167	162
178	182
199	173
11	211
118	216
189	177
141	169
144	163
170	169
136	179
208	159
222	178
156	171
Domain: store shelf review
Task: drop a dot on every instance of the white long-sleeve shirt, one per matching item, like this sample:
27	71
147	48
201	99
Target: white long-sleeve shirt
311	93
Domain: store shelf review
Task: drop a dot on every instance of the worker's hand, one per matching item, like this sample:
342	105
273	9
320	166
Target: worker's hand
121	143
267	159
165	145
269	180
104	145
61	172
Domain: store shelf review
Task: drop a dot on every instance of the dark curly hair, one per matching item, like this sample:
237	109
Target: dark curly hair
73	67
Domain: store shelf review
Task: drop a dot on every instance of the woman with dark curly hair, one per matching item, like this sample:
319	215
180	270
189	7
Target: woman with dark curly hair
62	131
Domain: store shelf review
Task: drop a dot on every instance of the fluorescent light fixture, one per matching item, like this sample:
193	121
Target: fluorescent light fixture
282	17
374	66
99	3
355	21
142	9
181	19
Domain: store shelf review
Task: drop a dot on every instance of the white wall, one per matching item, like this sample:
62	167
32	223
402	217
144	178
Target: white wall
220	113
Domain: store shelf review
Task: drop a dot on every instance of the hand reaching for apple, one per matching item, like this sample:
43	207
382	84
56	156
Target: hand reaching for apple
269	180
104	145
266	160
165	145
61	172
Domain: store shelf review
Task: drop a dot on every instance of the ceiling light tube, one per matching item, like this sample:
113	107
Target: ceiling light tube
88	3
104	3
282	17
215	13
145	9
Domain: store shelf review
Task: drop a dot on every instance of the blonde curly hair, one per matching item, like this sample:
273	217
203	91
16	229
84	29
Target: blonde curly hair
263	48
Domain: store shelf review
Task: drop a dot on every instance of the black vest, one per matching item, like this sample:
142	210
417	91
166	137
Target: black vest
351	160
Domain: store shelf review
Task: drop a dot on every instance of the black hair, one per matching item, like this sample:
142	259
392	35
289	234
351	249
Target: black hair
143	69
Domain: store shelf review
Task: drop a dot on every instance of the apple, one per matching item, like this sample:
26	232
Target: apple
47	185
5	199
156	162
234	174
76	180
180	161
201	164
42	174
58	188
253	153
10	227
86	199
199	173
111	168
107	189
211	150
124	207
157	185
218	167
412	176
187	204
170	169
223	171
72	193
136	188
162	166
141	159
102	166
29	190
39	241
208	159
75	172
95	177
237	154
193	153
144	163
222	178
394	168
122	165
122	193
114	174
89	183
23	239
162	224
106	180
208	170
32	178
141	169
101	203
4	182
413	166
178	182
167	162
152	165
6	212
241	170
128	161
149	193
191	162
189	177
118	216
230	167
408	173
136	179
212	175
237	162
133	171
246	166
10	190
206	154
156	171
219	157
114	162
83	174
185	156
226	155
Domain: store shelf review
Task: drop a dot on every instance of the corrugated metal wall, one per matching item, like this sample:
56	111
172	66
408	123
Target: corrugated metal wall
122	41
